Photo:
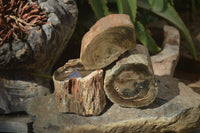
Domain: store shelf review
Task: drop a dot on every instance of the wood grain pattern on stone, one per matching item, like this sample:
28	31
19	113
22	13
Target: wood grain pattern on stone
110	37
130	82
78	90
165	62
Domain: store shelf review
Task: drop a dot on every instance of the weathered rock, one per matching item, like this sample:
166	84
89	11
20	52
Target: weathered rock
110	37
79	91
44	44
37	54
176	109
130	82
15	124
17	87
165	62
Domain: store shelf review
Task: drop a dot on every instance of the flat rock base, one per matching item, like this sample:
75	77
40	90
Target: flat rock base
176	109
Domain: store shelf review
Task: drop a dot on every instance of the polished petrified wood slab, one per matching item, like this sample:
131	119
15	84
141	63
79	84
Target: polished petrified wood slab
110	37
78	90
130	82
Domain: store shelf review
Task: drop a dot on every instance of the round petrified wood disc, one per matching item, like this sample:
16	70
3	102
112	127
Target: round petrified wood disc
110	37
79	91
130	82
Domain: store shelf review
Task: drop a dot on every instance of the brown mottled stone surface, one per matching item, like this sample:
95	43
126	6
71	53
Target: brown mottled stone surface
79	91
176	109
130	82
110	37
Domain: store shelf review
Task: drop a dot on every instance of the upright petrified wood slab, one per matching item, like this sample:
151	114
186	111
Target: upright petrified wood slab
78	90
165	62
130	82
110	37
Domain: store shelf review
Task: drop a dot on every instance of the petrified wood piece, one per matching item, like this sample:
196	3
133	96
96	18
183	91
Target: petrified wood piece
130	82
110	37
78	90
165	62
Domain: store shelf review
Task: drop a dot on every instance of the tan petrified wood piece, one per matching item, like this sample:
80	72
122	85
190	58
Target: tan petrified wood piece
164	63
110	37
130	82
78	90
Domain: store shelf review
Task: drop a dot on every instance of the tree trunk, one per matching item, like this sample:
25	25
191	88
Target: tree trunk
78	90
130	82
110	37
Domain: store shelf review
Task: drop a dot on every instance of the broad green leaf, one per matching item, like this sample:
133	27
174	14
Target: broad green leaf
128	7
145	38
119	5
99	7
111	1
163	9
198	1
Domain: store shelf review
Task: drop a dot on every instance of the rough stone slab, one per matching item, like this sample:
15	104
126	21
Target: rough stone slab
176	109
15	124
16	87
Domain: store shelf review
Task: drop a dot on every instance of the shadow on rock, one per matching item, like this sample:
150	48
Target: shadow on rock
167	90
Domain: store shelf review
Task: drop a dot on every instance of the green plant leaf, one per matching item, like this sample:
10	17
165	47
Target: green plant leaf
198	1
119	6
99	7
163	9
145	38
40	75
111	1
128	7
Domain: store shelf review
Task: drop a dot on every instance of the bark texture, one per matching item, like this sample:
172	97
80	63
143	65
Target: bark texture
78	90
130	82
110	37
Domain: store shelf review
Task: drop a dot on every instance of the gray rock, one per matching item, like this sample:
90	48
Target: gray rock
37	54
176	109
43	53
17	87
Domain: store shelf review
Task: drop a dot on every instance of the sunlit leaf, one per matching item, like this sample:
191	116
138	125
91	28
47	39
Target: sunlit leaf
128	7
145	38
99	7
